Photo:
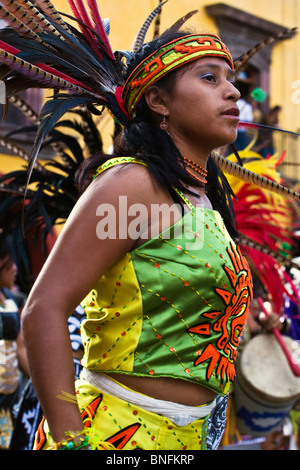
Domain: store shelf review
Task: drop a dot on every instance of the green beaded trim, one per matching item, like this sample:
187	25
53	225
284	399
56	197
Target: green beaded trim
116	161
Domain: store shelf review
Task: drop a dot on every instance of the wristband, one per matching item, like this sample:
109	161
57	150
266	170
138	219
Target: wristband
75	442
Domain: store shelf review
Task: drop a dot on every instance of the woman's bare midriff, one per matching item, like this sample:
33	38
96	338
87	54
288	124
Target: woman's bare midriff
168	389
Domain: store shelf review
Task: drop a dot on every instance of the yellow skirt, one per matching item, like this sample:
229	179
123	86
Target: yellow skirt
126	426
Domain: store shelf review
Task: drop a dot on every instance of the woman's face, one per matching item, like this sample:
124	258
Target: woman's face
201	109
8	272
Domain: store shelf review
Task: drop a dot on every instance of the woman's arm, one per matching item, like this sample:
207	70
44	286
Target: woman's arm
75	264
22	355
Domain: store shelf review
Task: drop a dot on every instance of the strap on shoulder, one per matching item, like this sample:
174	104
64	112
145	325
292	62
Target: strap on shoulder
116	161
121	160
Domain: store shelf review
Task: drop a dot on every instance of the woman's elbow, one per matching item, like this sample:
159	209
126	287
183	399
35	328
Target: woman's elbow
34	317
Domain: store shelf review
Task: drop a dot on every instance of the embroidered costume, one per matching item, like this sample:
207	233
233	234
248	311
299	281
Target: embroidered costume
180	301
174	307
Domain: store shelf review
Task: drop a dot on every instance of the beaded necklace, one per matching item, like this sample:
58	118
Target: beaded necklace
197	168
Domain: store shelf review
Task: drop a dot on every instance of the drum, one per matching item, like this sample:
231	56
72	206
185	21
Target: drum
265	389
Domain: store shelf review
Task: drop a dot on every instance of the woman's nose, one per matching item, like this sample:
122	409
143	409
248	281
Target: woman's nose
231	92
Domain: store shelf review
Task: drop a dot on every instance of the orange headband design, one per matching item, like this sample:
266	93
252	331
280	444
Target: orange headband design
169	57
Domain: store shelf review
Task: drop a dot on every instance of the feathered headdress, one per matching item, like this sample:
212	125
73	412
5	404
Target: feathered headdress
84	73
78	64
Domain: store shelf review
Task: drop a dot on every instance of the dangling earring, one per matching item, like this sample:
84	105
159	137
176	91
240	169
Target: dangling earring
164	125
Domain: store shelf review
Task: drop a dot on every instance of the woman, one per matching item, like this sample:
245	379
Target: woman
148	250
198	103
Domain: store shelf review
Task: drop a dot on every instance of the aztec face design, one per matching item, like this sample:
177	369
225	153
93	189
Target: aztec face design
229	325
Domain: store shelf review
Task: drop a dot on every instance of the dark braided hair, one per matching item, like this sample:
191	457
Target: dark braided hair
143	139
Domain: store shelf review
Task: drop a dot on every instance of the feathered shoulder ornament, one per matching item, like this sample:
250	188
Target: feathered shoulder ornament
78	64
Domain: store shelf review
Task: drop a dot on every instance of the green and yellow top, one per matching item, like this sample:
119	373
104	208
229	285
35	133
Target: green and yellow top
173	307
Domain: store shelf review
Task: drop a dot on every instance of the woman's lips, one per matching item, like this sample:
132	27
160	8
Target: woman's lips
232	113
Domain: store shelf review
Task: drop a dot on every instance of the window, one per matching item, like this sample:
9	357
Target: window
241	31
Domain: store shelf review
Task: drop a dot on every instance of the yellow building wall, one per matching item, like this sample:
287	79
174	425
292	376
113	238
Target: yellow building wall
127	16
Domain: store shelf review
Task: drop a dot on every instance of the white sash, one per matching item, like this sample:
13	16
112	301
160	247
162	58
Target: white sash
176	412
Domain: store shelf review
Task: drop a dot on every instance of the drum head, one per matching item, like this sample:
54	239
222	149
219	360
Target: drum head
264	371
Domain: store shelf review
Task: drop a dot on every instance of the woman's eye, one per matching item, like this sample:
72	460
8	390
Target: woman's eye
209	77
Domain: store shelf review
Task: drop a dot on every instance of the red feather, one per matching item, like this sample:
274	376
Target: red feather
13	50
280	160
99	26
81	15
8	48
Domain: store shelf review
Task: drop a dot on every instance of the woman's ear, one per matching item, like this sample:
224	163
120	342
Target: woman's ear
156	100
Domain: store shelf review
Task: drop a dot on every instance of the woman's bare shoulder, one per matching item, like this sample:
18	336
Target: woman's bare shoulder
131	179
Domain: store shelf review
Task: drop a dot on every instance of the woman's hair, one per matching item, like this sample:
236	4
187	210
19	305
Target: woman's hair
145	140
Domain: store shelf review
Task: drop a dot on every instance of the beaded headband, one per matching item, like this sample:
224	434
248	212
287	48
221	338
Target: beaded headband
169	57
